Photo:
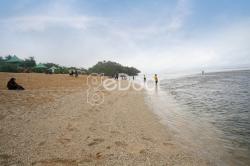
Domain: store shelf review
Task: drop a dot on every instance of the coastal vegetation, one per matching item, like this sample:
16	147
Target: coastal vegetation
12	63
111	68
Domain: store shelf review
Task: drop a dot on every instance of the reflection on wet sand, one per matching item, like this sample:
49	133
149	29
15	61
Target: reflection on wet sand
192	134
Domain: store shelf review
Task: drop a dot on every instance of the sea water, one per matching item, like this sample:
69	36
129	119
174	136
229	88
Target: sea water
208	114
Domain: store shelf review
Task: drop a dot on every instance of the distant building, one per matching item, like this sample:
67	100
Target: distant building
40	68
52	69
14	59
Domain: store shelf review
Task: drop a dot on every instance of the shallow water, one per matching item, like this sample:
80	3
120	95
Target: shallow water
208	114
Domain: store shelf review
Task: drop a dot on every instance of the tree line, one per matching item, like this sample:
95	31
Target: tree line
110	68
27	65
21	66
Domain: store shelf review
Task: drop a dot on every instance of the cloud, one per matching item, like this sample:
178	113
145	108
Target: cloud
56	13
41	23
225	46
61	13
182	11
60	34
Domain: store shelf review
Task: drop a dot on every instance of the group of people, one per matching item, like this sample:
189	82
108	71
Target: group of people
72	73
116	76
155	78
12	85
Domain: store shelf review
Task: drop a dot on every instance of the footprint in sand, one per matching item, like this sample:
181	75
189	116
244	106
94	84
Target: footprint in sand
5	156
167	144
64	140
89	157
144	151
98	155
121	143
42	143
6	159
110	102
52	162
91	109
2	116
96	141
85	115
87	137
148	139
92	129
115	132
70	127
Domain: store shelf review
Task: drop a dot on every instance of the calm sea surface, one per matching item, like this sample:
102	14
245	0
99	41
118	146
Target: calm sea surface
211	111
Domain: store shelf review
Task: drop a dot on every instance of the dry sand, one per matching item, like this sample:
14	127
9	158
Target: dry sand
51	124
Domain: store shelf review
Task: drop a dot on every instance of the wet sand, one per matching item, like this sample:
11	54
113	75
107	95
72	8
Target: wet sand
51	123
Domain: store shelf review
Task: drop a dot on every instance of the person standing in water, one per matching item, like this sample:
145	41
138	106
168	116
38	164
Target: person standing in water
156	79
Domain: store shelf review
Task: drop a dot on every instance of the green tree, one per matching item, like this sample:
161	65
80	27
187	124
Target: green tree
7	67
1	59
49	65
8	57
28	63
110	68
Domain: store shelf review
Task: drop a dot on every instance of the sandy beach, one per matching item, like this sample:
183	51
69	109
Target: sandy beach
51	123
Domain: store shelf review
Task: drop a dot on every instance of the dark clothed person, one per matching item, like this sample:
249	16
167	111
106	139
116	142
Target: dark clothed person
12	85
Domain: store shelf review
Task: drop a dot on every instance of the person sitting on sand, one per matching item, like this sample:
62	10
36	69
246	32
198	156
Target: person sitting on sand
156	79
12	85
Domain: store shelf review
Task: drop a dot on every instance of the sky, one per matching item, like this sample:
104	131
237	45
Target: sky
151	35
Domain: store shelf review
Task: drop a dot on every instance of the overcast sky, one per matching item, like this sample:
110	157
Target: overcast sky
152	35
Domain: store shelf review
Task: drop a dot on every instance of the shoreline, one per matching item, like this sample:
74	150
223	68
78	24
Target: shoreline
200	110
60	127
194	136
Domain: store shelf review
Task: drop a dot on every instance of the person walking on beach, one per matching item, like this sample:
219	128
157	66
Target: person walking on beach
76	73
116	76
71	73
156	79
144	78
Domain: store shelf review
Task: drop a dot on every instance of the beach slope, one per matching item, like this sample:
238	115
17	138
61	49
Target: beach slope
51	123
